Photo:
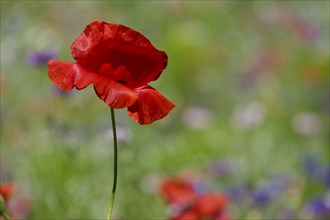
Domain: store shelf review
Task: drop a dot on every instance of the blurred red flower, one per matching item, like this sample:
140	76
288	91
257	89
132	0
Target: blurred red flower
177	191
191	205
210	204
6	190
119	62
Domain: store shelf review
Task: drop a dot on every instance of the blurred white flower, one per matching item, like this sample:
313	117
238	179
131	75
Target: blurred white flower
197	117
306	124
123	134
248	116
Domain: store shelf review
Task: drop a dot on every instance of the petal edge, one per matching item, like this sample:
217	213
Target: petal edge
67	75
150	106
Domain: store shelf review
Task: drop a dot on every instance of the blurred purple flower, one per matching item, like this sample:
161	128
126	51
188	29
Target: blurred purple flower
262	195
279	184
238	193
200	187
40	58
59	92
311	166
326	176
221	168
318	207
266	193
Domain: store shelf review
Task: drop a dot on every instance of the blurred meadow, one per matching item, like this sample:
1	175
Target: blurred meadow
250	80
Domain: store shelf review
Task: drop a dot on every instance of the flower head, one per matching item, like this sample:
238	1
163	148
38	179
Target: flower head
318	207
221	168
177	191
119	62
312	167
6	190
187	203
262	195
326	176
211	204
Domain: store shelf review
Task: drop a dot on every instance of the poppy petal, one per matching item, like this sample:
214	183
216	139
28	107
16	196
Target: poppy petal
150	106
67	75
210	204
6	189
115	94
105	43
176	191
99	31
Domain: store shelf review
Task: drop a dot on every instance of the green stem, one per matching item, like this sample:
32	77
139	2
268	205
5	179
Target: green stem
3	209
5	216
114	185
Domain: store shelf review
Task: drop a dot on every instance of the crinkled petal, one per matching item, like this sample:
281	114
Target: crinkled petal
117	45
150	106
115	94
67	75
100	31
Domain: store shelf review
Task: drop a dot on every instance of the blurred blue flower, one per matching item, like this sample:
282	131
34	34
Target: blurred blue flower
200	187
262	195
40	58
311	166
266	193
221	168
326	176
278	184
238	193
318	207
59	92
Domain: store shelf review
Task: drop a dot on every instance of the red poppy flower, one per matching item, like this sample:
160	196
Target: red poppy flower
119	62
6	189
210	204
205	206
177	191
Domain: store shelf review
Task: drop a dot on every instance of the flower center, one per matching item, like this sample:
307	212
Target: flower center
121	82
119	74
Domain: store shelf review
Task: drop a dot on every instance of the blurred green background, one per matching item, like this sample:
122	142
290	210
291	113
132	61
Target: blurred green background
250	80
